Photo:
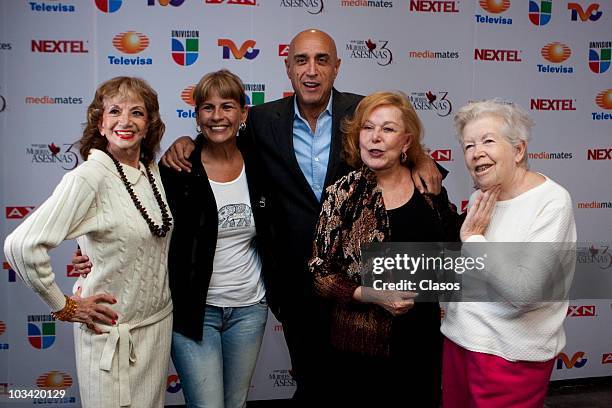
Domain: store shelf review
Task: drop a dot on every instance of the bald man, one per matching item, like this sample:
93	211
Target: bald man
297	142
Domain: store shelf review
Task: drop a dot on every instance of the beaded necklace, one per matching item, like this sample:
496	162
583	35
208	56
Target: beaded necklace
157	230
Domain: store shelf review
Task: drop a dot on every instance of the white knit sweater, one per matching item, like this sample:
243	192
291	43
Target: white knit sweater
92	204
515	331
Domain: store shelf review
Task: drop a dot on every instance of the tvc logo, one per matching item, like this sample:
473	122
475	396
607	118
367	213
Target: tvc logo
592	12
173	384
540	14
247	49
577	360
164	3
12	277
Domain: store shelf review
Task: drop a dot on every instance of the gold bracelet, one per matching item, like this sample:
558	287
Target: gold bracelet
67	312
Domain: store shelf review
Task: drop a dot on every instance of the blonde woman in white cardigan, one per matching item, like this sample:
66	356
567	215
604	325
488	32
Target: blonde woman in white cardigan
114	205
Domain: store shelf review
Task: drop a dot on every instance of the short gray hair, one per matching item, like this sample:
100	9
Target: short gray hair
517	123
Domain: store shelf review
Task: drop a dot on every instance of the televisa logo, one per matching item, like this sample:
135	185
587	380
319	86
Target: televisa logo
592	12
130	42
604	101
51	7
494	7
54	380
556	53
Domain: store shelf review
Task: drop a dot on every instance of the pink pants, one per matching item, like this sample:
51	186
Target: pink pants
478	380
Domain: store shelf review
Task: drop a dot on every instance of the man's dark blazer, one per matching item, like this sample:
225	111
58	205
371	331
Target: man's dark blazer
295	208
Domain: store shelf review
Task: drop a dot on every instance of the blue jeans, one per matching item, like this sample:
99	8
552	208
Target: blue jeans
216	372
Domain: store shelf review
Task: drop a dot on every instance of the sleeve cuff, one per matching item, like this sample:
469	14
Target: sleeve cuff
54	297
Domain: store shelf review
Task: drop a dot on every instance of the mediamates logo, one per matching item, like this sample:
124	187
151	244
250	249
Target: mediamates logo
494	7
130	42
185	46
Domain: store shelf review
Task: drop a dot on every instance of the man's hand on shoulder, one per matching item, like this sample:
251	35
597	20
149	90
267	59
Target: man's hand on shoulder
177	155
426	176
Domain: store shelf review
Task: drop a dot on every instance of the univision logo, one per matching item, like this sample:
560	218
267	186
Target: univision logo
108	6
185	46
599	62
173	384
556	53
41	331
54	380
540	14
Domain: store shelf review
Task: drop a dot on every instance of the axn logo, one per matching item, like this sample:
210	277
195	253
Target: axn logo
71	273
464	205
485	54
247	49
442	155
591	13
581	311
237	2
15	213
434	6
606	358
59	46
576	361
283	50
599	154
553	104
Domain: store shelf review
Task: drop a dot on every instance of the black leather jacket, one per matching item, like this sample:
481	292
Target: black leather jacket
194	239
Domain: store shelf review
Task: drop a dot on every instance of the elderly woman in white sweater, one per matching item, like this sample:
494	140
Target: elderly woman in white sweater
115	206
501	354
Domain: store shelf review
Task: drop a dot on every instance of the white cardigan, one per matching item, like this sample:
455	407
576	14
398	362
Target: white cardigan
533	333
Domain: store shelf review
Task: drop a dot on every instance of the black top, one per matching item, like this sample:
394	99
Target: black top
415	221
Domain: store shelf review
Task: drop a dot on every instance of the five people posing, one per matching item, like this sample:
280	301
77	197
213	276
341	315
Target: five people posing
246	210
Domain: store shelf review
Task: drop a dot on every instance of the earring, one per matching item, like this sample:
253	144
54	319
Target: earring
242	126
403	157
198	129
